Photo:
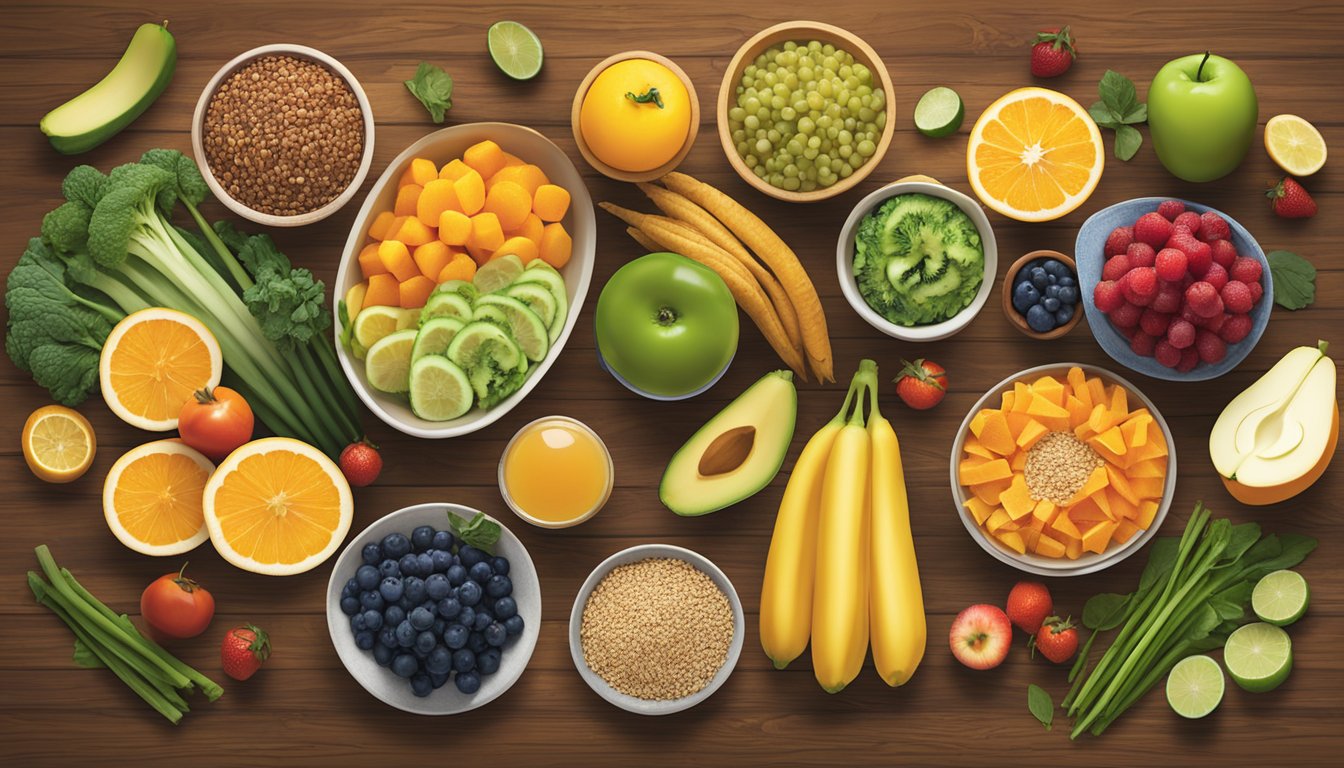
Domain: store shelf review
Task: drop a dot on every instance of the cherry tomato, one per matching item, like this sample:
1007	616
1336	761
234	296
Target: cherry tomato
215	422
177	606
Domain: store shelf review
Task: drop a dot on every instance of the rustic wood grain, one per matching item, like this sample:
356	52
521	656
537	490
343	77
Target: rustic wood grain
303	709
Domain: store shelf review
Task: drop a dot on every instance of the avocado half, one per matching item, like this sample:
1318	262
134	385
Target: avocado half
736	453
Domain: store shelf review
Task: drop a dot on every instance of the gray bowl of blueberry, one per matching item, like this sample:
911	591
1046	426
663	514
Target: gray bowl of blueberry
435	609
1041	294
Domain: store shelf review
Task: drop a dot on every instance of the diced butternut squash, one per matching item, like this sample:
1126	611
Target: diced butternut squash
1135	431
979	510
1066	528
437	196
423	171
1097	390
1078	411
556	245
1119	402
1049	388
971	460
415	292
486	158
1018	461
986	473
517	246
510	202
454	170
1033	432
1029	536
1098	537
454	228
1046	511
995	435
997	520
991	491
1041	407
413	232
1124	531
407	177
378	229
470	191
1078	384
407	198
1006	400
550	202
1101	419
1120	484
977	425
1096	481
383	291
1048	546
1110	440
432	257
1073	549
532	229
1017	501
1087	511
512	160
370	263
972	447
1121	507
460	267
1021	396
529	177
397	260
1016	423
1013	540
1147	512
1148	487
486	234
1149	468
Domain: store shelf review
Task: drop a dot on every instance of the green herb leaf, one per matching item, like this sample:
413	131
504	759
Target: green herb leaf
1127	141
1120	110
434	88
1118	92
1042	708
85	657
480	532
1294	279
1102	115
1105	611
1138	115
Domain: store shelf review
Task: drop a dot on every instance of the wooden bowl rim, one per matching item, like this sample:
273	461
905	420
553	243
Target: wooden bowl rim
826	33
577	107
1019	322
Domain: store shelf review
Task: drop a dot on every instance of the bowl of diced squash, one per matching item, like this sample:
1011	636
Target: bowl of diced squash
1063	470
483	231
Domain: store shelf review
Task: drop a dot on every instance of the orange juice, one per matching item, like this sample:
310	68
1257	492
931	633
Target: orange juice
555	472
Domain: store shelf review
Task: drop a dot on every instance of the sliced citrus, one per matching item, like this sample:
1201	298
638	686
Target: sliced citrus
1034	155
277	506
152	362
58	444
1294	145
152	498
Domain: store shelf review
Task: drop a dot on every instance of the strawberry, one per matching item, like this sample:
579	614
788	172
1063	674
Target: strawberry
361	463
1119	240
1029	602
244	649
1170	209
1056	639
922	384
1290	201
1053	53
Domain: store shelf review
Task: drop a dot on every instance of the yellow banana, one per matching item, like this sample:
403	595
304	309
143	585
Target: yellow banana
896	604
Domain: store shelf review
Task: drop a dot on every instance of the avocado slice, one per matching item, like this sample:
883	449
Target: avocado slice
736	453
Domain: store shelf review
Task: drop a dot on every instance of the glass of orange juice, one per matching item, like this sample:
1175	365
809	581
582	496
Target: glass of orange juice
556	472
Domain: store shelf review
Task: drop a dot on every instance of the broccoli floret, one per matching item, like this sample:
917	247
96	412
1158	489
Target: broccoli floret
288	306
66	227
84	184
187	181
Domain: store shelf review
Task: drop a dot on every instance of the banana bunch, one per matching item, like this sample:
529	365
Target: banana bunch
841	572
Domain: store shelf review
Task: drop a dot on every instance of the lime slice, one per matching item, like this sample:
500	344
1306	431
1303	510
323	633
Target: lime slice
1195	686
492	361
461	287
498	274
524	325
553	282
1280	598
435	336
388	365
515	49
939	112
537	298
445	305
1294	145
1259	657
373	323
439	389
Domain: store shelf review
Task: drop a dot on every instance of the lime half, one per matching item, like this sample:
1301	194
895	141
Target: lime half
1195	686
388	365
515	49
1259	657
435	336
524	325
1280	598
440	390
939	112
498	274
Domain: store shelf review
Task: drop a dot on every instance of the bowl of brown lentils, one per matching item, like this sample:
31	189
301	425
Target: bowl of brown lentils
283	135
656	629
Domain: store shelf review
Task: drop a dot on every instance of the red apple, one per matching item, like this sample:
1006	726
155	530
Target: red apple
981	636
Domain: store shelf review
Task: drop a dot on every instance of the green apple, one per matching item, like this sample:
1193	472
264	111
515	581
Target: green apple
666	325
1202	113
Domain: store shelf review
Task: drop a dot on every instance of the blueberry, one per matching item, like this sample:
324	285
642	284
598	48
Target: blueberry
389	568
476	642
466	616
437	586
350	605
421	618
442	559
455	636
500	565
1050	304
467	682
438	681
405	664
469	594
438	626
1025	296
1039	319
383	653
351	588
482	621
1051	279
420	653
1068	280
470	555
373	620
442	540
449	607
456	575
425	642
422	538
357	624
366	577
463	660
487	661
1055	267
372	554
414	588
372	600
405	603
405	634
1065	313
387	638
440	660
394	615
480	572
1039	278
364	640
505	607
1068	294
390	589
395	545
425	564
409	565
499	586
495	634
514	625
421	685
1052	291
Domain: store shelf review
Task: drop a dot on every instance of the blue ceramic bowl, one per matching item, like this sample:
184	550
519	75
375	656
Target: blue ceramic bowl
1089	252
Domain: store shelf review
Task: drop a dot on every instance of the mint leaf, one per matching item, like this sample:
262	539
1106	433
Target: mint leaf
1294	279
1042	708
1118	92
1102	115
1120	110
480	532
1127	141
1138	115
434	88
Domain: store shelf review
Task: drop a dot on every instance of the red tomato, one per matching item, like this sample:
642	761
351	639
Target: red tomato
215	421
177	606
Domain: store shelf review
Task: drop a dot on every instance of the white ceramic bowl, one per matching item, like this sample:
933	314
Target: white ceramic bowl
396	691
198	127
442	146
1088	562
844	257
632	703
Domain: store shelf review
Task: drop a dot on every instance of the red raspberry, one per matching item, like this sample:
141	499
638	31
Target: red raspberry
1216	276
1142	344
1235	328
1198	255
1213	227
1167	354
1180	334
1141	254
1127	316
1170	264
1189	359
1214	323
1257	290
1119	240
1246	270
1153	229
1154	323
1128	333
1190	220
1169	298
1116	267
1140	283
1203	299
1211	348
1170	209
1236	297
1224	252
1107	296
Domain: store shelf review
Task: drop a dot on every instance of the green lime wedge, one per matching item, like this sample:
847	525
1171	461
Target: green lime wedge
374	323
445	305
537	297
435	336
524	325
939	112
515	49
498	274
1195	686
1280	598
388	365
440	390
1258	656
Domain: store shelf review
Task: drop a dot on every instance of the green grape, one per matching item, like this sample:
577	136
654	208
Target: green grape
749	159
806	126
791	183
811	153
846	170
772	136
737	114
751	122
739	135
787	113
762	146
814	142
866	148
752	104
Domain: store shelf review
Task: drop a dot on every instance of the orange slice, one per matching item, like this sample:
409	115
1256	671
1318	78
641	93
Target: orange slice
58	444
278	506
152	362
1034	155
152	498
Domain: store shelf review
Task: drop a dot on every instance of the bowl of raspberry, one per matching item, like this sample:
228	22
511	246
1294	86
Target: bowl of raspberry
1173	289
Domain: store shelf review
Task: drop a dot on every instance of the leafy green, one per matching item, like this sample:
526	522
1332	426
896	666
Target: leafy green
480	532
1120	110
85	657
1040	704
434	88
1294	279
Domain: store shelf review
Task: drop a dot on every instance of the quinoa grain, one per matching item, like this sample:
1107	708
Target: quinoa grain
1058	465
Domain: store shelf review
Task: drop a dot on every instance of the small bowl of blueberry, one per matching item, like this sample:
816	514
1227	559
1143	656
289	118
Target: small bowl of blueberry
1041	294
435	609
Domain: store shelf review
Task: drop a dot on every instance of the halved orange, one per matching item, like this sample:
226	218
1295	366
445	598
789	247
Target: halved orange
152	362
58	443
1034	155
152	498
278	506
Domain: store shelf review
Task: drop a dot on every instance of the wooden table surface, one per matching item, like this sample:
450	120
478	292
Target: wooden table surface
303	709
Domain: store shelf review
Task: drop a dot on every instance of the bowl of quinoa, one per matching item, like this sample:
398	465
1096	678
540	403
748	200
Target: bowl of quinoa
656	629
283	135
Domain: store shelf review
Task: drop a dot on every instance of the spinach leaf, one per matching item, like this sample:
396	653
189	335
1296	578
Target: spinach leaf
434	88
1294	279
1105	611
1040	704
